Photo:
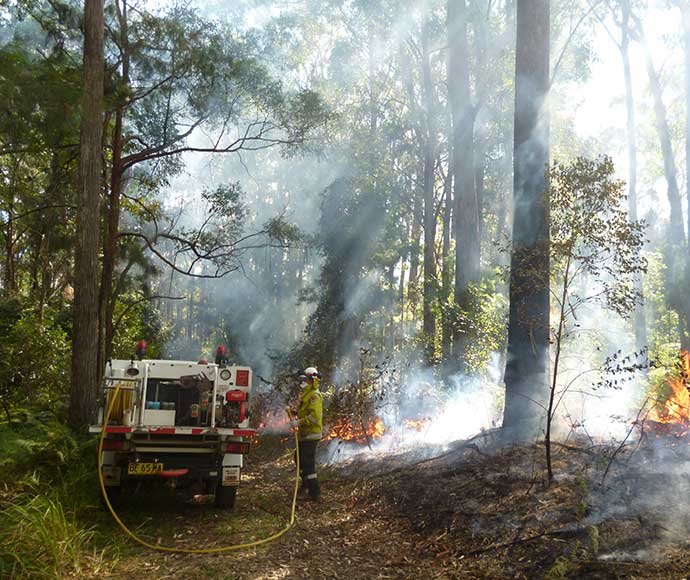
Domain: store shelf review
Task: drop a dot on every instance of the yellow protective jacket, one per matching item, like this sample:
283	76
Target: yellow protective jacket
310	413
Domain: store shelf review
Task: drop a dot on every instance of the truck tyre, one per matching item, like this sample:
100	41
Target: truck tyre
225	496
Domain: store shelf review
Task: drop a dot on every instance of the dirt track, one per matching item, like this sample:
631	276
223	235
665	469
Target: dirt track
345	535
467	515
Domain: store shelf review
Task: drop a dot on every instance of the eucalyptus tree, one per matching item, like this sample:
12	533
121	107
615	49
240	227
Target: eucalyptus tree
466	203
85	371
526	374
174	83
181	84
676	252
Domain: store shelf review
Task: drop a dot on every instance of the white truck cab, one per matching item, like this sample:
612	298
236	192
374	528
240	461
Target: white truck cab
175	419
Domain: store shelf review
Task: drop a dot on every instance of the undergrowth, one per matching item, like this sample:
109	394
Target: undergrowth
49	489
40	539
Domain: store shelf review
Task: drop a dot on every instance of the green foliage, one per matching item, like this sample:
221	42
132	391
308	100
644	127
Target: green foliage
39	447
282	232
482	320
51	478
561	569
592	236
567	565
34	360
663	329
666	366
138	319
595	249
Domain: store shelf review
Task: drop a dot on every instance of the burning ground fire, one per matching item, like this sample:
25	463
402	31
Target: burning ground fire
462	415
675	411
417	424
375	429
275	421
365	432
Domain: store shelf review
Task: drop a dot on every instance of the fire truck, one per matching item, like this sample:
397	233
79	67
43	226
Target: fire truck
175	419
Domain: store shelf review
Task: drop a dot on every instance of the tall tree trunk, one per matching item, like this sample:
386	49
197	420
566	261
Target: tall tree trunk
10	273
685	9
447	265
677	233
401	296
674	262
412	289
85	331
107	298
685	12
526	374
429	315
639	320
466	210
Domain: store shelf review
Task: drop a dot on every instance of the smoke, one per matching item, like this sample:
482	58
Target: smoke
644	494
427	414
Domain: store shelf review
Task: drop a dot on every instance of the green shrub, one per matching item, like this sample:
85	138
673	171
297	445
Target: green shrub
39	539
39	444
34	361
51	481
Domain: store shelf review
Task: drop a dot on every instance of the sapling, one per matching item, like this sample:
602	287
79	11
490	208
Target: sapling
592	238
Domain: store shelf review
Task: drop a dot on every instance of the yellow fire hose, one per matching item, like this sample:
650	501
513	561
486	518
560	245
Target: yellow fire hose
189	550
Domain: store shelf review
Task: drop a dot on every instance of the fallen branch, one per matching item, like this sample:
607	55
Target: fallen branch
561	533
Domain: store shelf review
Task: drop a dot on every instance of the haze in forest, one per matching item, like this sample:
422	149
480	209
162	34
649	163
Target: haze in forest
361	256
471	216
589	118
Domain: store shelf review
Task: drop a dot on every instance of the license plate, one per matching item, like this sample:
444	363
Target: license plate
144	468
231	476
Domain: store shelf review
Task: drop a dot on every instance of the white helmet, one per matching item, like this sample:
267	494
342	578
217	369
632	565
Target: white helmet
310	372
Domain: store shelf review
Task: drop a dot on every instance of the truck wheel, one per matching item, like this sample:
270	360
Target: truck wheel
225	496
209	485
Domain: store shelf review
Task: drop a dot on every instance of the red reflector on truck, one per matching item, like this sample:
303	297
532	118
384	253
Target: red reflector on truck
173	472
242	378
237	447
113	444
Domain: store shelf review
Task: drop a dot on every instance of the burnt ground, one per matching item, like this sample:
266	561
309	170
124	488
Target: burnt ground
473	511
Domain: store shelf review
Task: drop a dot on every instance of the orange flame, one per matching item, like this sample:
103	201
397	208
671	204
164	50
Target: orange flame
676	409
416	424
275	421
346	431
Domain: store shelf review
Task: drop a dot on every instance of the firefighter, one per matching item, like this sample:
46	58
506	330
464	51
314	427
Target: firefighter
309	425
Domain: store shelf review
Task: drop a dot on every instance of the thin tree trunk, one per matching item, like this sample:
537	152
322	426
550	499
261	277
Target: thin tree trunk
554	379
685	8
10	273
107	298
429	316
447	264
401	295
85	331
677	228
466	210
639	320
412	289
526	374
677	232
